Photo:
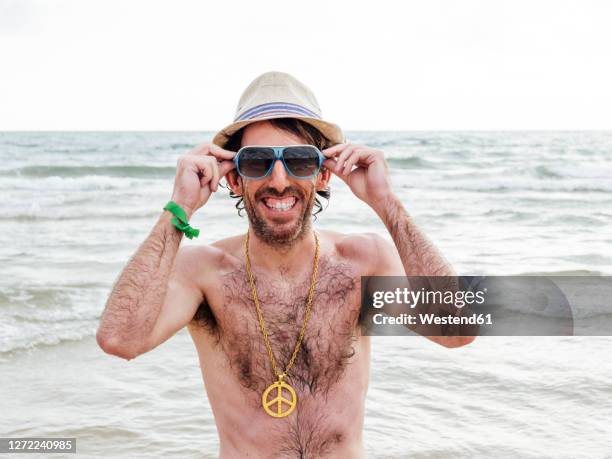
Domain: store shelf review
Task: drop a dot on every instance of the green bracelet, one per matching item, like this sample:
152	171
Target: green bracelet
180	220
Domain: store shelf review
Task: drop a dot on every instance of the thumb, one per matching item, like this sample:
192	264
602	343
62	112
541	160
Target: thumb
225	167
331	165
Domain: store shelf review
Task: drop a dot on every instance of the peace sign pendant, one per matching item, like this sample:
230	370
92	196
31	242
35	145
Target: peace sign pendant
279	399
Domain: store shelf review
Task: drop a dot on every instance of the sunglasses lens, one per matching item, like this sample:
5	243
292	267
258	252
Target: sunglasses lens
254	162
302	161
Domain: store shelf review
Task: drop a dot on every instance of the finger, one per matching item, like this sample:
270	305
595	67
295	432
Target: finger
203	181
214	181
211	149
221	153
368	155
353	159
201	165
333	151
204	170
331	165
201	149
225	167
343	157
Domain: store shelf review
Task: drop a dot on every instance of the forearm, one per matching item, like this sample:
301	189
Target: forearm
137	296
418	254
421	258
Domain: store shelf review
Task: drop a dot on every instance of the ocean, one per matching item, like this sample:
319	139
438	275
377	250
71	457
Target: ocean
76	205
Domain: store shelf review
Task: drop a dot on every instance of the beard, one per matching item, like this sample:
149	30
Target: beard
280	236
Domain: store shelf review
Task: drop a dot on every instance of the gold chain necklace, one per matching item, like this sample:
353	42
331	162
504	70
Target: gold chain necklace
278	398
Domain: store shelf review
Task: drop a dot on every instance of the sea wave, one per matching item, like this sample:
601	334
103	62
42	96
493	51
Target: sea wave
37	214
53	336
88	171
592	171
48	315
411	162
516	184
82	183
179	146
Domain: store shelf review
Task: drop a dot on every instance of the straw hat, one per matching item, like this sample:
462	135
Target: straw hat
278	95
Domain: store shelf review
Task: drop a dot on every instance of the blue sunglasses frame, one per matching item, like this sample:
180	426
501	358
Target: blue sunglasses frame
279	156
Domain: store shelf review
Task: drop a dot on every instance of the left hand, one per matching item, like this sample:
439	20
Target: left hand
369	180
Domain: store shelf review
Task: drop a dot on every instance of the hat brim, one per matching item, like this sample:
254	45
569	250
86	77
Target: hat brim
330	130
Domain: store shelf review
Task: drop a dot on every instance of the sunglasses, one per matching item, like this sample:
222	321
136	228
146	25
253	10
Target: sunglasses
257	161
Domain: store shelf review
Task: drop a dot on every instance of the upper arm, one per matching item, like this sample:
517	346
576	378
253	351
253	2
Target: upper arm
184	294
387	259
379	258
389	263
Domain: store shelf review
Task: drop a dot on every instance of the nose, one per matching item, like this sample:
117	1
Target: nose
279	179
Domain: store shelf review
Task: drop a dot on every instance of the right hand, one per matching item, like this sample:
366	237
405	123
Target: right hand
198	174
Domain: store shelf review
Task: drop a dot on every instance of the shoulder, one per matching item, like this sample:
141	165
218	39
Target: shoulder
376	253
202	265
204	259
366	249
192	256
214	252
360	244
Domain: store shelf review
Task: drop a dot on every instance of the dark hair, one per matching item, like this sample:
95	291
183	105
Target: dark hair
302	129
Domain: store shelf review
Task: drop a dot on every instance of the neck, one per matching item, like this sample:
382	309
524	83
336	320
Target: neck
287	258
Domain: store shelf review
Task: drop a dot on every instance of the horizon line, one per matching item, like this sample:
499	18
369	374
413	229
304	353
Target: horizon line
345	130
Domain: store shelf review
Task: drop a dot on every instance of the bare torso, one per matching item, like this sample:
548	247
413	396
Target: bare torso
331	371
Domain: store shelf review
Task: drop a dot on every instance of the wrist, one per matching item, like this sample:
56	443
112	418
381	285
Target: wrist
180	218
188	210
385	206
166	217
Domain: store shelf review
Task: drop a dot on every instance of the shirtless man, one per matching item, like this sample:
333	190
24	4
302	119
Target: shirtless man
206	287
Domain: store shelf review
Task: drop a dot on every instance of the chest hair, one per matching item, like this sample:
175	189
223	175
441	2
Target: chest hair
328	343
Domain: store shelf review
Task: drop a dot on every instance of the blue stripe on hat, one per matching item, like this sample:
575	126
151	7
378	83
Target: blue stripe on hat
276	106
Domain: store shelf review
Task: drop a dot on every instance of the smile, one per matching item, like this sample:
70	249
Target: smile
280	205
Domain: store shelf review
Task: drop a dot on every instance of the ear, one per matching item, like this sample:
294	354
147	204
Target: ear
322	178
234	181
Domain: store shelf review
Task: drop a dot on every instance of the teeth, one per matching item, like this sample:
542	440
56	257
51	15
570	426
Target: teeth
280	204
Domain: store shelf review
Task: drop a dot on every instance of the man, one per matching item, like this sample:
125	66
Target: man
274	313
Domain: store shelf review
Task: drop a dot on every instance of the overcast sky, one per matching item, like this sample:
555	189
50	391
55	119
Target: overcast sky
430	64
